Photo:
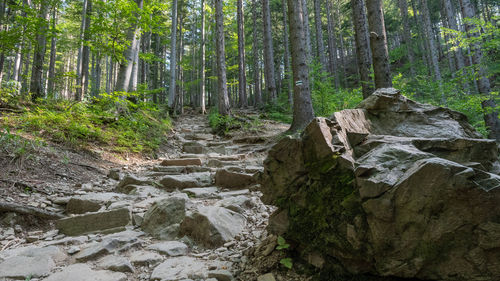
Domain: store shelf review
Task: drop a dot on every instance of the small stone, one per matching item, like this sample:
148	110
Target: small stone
145	258
171	248
266	277
115	263
182	162
73	250
220	275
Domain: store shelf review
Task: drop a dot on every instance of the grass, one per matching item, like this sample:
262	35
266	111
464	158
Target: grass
112	122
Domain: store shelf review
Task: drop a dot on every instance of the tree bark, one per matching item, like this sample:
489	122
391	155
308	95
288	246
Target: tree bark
286	55
52	63
378	44
403	7
303	111
307	30
268	52
84	52
203	60
255	54
433	52
173	56
491	114
221	60
319	35
36	85
362	46
242	85
452	24
332	43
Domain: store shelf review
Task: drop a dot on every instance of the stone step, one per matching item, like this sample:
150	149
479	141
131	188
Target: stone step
95	222
186	181
233	180
182	162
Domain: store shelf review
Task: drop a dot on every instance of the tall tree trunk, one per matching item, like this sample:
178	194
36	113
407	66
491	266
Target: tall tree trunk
286	55
307	30
203	60
362	46
268	52
52	63
332	43
221	60
179	102
452	24
319	35
135	62
255	53
403	7
173	56
126	66
491	114
378	44
242	85
84	52
36	85
303	111
433	52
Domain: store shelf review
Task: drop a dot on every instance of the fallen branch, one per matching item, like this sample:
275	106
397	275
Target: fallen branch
28	210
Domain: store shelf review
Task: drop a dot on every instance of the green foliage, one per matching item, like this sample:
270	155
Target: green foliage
16	147
112	120
282	244
287	262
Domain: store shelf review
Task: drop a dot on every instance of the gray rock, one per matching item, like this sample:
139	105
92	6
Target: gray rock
213	226
163	219
22	266
170	248
193	148
91	202
232	180
221	275
94	222
186	181
114	174
182	162
266	277
131	180
201	192
405	190
145	258
180	268
115	263
237	203
82	272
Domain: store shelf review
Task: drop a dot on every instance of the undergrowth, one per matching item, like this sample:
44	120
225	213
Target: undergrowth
112	121
222	125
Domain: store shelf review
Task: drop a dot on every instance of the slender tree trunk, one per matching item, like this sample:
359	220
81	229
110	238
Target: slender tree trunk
83	52
173	56
403	7
255	53
36	84
307	30
134	75
242	85
452	24
286	55
362	46
52	63
433	52
319	35
268	52
203	60
378	44
221	60
125	69
303	111
179	102
332	43
491	113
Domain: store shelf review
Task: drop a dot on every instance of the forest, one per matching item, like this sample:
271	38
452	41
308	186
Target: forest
291	60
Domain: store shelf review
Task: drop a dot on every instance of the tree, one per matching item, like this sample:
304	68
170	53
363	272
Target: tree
255	54
491	114
36	84
173	57
403	8
242	83
332	43
268	52
362	46
378	44
433	53
319	35
52	63
221	60
84	52
202	55
303	111
286	54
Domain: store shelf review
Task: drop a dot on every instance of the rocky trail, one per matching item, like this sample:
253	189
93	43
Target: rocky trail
195	215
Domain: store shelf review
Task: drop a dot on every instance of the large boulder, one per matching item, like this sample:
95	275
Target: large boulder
392	188
163	219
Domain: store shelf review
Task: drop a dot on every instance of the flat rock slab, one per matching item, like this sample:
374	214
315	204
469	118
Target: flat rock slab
115	263
213	226
145	258
250	139
201	192
182	162
91	202
21	267
162	220
170	248
186	181
82	272
233	180
180	268
94	222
